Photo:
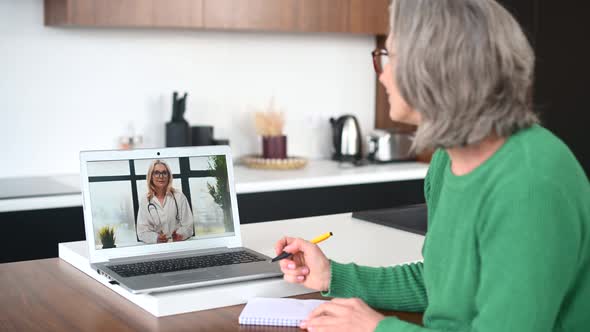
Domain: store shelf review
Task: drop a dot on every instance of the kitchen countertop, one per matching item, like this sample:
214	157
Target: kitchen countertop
324	173
32	193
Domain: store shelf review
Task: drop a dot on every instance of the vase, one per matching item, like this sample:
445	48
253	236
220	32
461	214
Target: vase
202	135
274	147
108	245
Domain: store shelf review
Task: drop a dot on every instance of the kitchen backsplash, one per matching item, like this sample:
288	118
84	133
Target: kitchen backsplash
63	90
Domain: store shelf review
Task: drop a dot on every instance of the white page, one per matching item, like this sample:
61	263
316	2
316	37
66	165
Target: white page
277	311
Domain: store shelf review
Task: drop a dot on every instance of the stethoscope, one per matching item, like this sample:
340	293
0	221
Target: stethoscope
150	204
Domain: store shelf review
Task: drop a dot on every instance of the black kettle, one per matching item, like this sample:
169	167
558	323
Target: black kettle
346	134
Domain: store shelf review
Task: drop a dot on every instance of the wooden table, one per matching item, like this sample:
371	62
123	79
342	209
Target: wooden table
52	295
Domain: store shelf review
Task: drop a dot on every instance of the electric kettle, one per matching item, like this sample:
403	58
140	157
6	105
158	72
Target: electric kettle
347	139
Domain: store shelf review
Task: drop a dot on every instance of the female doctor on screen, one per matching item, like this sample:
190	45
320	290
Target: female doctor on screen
164	213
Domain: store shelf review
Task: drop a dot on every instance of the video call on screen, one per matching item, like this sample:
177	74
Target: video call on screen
149	201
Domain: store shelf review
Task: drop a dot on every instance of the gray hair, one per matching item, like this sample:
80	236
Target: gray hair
466	66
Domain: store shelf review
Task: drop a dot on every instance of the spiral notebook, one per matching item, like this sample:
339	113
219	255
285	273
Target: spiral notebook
277	312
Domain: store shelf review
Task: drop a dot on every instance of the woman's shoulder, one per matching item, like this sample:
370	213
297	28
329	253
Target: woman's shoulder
438	163
143	199
435	175
542	171
546	155
178	194
439	159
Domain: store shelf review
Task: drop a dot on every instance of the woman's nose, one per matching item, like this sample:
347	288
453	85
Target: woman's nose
383	74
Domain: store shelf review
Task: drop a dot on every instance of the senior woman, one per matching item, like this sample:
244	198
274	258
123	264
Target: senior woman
508	243
164	213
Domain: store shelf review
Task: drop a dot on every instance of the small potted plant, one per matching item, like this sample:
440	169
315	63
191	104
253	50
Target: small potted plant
107	237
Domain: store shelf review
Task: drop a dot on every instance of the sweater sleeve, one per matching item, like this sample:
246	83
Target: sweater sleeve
399	287
529	250
394	288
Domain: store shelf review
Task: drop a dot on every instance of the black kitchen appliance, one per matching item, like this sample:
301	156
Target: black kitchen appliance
410	218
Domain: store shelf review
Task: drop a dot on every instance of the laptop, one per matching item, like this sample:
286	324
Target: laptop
166	219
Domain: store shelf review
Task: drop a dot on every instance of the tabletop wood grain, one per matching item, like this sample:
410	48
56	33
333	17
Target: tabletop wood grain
52	295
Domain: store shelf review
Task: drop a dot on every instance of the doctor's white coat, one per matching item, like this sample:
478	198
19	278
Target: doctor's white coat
154	217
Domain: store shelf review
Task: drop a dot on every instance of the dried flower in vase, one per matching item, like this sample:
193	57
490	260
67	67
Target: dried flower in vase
269	122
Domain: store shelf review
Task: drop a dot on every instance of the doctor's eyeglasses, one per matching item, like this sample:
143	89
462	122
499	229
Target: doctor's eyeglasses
380	59
158	174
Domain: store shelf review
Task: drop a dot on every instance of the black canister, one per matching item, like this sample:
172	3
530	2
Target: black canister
202	135
178	134
178	131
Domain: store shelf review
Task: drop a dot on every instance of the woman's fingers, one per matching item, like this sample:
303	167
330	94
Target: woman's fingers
298	259
317	323
289	267
287	264
305	257
328	308
292	272
282	243
296	245
296	279
349	301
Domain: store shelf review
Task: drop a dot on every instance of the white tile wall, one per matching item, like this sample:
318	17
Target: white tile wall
63	90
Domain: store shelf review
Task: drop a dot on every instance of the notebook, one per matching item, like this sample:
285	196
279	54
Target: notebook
277	312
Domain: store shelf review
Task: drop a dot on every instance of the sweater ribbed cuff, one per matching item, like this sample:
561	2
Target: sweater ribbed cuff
341	283
389	324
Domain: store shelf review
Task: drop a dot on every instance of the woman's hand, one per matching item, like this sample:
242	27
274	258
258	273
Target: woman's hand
176	237
308	265
162	238
343	315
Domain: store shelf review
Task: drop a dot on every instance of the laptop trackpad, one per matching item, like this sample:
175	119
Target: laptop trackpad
190	276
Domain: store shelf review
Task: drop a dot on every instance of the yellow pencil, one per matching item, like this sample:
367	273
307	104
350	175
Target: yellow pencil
321	238
315	240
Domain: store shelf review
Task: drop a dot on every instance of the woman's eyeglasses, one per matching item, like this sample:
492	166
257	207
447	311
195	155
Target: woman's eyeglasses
159	174
380	59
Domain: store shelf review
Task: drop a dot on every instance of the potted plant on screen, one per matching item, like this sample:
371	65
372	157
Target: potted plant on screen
220	191
107	237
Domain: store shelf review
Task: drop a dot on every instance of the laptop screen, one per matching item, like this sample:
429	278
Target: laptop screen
150	201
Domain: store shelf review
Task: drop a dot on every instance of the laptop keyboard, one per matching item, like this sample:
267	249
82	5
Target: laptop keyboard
184	263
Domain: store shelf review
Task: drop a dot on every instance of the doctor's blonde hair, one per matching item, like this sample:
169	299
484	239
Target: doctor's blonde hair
150	186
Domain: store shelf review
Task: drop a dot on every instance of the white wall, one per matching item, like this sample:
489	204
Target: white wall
63	90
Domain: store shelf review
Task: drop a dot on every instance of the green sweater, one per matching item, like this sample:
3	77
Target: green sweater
507	249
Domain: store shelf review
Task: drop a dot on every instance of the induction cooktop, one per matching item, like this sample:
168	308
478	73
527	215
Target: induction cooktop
410	218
